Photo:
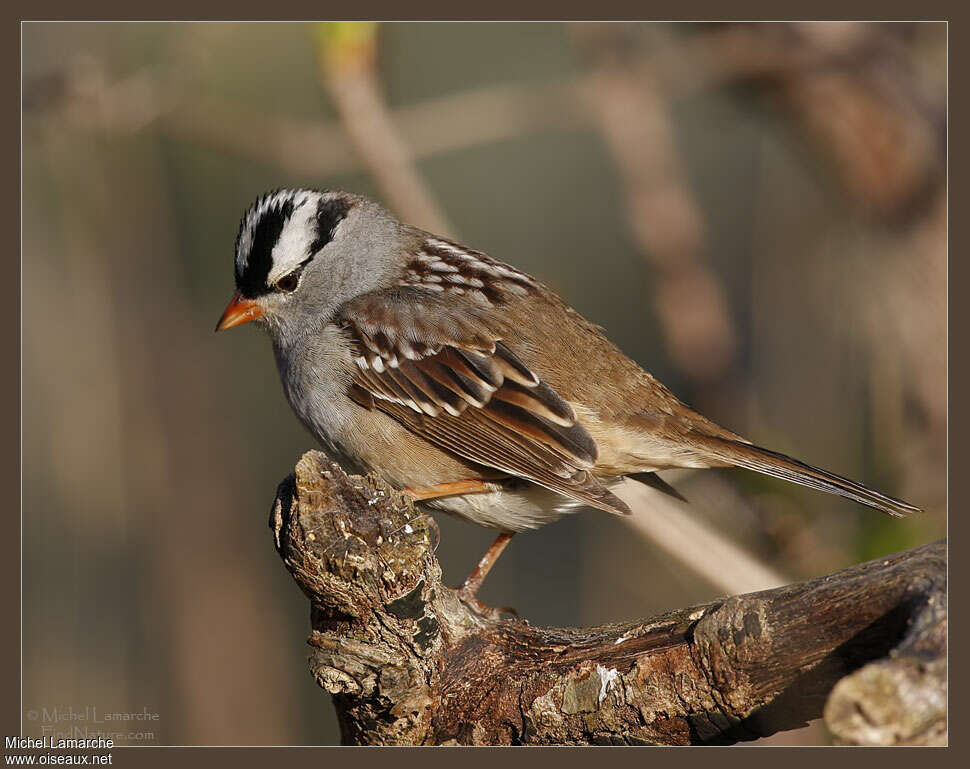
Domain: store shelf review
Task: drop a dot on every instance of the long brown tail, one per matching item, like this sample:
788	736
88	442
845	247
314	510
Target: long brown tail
781	466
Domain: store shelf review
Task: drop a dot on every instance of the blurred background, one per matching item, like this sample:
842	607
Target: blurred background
754	212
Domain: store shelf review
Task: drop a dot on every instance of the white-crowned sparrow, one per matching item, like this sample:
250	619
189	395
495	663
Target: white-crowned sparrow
462	379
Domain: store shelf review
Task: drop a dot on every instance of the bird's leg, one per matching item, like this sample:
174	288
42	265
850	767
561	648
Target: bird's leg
470	587
448	489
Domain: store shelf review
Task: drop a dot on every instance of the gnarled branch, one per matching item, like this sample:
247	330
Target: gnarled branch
408	663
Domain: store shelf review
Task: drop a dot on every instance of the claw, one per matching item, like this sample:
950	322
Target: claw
488	612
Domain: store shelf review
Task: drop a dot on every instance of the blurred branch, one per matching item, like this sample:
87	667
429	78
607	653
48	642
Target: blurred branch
854	89
408	663
695	543
347	52
812	67
81	96
627	105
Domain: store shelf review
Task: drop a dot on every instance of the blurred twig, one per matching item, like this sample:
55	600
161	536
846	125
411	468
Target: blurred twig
902	309
674	68
347	52
628	107
82	96
696	544
856	91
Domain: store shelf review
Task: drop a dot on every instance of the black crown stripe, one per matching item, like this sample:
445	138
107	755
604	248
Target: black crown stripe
251	282
330	212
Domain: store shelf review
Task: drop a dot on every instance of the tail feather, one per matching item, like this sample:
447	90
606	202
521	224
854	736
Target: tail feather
654	481
781	466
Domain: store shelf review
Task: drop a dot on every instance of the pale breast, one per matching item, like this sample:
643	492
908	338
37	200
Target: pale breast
316	374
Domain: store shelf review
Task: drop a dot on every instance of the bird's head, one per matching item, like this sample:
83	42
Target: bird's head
301	253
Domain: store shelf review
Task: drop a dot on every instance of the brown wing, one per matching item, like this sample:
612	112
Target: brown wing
444	373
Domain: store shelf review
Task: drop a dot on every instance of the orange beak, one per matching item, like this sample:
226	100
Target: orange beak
239	311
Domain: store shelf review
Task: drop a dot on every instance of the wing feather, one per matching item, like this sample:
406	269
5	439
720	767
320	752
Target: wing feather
447	376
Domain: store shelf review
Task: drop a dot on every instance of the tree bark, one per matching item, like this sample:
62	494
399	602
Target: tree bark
408	663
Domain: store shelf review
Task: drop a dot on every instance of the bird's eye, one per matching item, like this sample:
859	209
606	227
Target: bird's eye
288	283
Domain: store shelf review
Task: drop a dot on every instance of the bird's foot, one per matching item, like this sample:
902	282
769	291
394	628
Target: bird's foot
467	592
467	596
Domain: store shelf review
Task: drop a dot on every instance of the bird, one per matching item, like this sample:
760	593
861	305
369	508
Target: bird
463	381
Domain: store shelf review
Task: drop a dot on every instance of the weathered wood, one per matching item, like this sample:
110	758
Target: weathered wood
899	699
408	663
